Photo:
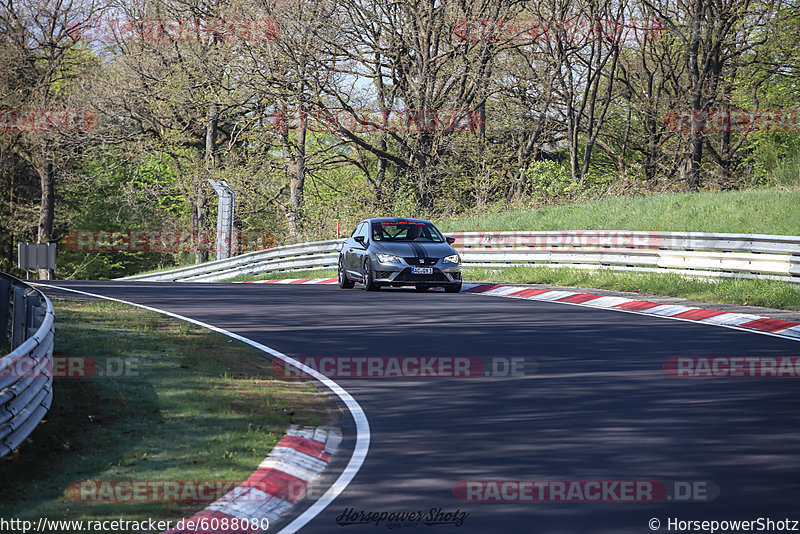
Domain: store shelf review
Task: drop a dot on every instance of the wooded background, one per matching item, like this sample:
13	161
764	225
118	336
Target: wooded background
578	112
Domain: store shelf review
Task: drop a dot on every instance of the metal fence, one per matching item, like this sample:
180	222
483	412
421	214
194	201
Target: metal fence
693	253
26	373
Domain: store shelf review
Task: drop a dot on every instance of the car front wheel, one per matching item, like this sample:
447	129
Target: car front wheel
344	282
369	279
453	288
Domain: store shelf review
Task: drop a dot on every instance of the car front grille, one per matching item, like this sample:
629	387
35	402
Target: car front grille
407	276
421	261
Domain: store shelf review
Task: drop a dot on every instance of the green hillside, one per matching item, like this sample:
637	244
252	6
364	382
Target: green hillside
756	212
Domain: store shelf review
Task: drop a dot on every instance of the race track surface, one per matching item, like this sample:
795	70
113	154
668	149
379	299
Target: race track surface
592	402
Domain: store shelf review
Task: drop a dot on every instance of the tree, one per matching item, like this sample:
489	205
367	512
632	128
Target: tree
421	69
44	65
718	40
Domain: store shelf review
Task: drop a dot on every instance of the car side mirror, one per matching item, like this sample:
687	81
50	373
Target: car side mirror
360	240
450	240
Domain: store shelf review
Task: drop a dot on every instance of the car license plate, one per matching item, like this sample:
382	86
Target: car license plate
422	270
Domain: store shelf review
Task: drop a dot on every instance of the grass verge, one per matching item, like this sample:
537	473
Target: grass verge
766	293
321	273
752	212
176	403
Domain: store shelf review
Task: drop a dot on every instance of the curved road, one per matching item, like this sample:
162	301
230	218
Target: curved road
593	403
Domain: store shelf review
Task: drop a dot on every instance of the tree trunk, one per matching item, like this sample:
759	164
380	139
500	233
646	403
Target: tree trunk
297	181
425	193
380	174
209	160
696	156
696	136
198	223
46	211
211	136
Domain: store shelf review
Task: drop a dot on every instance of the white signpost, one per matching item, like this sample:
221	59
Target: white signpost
224	219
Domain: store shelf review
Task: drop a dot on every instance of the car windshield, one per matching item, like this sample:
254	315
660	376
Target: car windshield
406	231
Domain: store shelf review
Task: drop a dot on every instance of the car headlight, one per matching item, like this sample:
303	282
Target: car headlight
453	258
388	258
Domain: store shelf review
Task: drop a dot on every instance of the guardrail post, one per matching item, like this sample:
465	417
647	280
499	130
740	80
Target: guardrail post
31	307
19	326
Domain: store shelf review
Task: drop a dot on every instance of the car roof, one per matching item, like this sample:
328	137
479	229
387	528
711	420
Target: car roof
396	219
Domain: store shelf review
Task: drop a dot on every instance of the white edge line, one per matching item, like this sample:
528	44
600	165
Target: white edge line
644	313
362	424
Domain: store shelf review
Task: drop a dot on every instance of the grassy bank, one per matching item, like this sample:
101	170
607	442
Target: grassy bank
753	212
175	403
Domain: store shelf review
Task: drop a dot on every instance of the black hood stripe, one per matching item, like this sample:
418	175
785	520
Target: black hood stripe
419	252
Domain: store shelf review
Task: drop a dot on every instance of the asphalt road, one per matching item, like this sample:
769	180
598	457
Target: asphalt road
593	403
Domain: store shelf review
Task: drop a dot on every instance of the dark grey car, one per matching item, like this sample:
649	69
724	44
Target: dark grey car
399	252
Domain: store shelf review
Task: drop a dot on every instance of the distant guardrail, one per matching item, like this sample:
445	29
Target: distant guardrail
695	253
303	256
26	373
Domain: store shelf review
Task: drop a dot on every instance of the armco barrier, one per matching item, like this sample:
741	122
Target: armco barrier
316	255
694	253
26	373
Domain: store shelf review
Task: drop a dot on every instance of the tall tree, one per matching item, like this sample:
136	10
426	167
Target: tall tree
717	38
43	65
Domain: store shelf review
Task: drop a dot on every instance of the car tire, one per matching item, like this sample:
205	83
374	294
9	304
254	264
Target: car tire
453	288
344	282
369	278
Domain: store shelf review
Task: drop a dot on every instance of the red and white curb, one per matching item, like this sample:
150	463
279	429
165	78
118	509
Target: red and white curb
741	321
280	481
294	281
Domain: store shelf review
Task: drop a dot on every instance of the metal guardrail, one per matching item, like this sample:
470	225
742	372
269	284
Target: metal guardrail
694	253
700	254
26	373
305	256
